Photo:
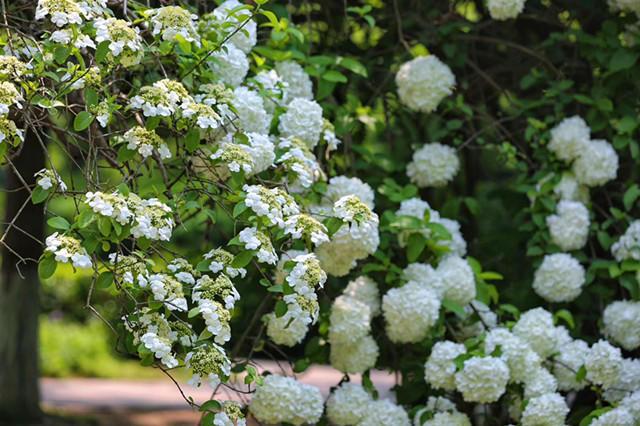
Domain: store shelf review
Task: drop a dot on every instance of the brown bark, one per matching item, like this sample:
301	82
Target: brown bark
19	293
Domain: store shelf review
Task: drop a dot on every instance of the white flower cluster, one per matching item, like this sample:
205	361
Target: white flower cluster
9	96
297	81
220	261
355	240
424	82
302	167
284	399
233	157
433	165
47	179
340	186
66	248
482	379
302	120
244	39
304	226
274	204
229	64
365	290
559	278
410	311
146	142
251	113
569	227
350	323
258	240
535	326
603	364
440	368
568	188
162	99
548	409
347	404
168	289
595	162
501	10
230	415
149	218
292	327
383	412
173	21
208	363
622	323
9	132
125	43
66	12
628	245
628	381
216	297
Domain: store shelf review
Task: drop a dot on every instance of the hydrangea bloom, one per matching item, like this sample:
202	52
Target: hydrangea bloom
230	64
298	83
559	278
355	357
628	381
283	399
66	248
440	369
516	352
501	10
125	44
245	38
303	120
350	320
597	163
569	138
425	275
384	413
570	358
458	280
569	227
249	105
482	379
535	326
347	404
622	323
340	186
549	409
628	245
410	311
145	141
424	82
603	364
292	327
433	165
173	21
365	290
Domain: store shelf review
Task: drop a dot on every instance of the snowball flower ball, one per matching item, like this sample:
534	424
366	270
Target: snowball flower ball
628	246
458	280
516	352
540	382
283	399
433	165
622	323
597	163
385	413
365	290
570	358
347	404
356	357
339	186
559	278
425	275
603	364
632	403
569	138
482	380
440	369
569	227
230	64
570	189
536	327
303	120
286	330
350	320
447	419
297	80
628	381
424	82
501	10
617	417
410	311
547	410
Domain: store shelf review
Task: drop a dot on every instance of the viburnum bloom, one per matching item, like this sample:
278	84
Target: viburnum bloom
208	363
622	323
424	82
482	379
549	409
347	404
68	249
501	10
559	278
603	364
145	142
628	245
569	227
569	138
440	369
125	43
296	80
303	120
433	165
597	163
409	312
384	413
356	357
173	21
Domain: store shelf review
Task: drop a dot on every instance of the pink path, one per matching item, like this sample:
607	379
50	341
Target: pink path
159	402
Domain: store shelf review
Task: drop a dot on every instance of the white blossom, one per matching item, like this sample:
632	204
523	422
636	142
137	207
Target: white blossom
597	163
482	380
410	311
433	165
303	120
440	368
347	404
424	82
549	410
603	364
559	278
569	138
622	323
384	413
569	227
501	10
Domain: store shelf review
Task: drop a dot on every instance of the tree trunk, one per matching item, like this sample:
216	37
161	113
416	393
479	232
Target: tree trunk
19	293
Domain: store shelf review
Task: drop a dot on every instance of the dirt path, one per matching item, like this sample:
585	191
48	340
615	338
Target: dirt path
159	403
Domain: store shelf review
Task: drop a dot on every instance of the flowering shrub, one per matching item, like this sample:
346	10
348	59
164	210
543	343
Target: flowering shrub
202	168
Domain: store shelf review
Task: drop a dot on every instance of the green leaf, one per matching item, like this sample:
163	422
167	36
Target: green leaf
91	96
415	245
82	121
566	316
630	196
59	223
102	50
38	195
238	209
334	76
46	267
281	308
61	54
454	307
211	405
352	65
104	226
242	259
193	312
192	139
85	218
622	60
104	279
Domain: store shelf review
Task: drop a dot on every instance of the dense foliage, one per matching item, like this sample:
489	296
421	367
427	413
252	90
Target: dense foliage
331	182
